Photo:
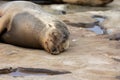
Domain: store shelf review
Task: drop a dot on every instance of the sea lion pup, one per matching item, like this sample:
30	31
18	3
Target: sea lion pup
24	24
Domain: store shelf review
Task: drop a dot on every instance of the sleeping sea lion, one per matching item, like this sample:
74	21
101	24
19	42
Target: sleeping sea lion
25	24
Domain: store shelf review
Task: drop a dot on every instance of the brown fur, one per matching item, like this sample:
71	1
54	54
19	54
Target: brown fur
89	2
25	24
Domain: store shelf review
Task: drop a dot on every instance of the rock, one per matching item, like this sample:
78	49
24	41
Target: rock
110	24
90	57
81	19
114	5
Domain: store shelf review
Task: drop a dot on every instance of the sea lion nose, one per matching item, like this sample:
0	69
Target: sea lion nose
55	51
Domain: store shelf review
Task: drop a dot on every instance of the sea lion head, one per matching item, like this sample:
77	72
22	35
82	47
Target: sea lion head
56	39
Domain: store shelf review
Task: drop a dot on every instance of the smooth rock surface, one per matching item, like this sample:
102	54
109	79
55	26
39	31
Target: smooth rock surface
90	57
111	22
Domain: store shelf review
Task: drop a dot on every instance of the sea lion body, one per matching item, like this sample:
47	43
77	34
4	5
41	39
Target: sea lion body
21	36
25	24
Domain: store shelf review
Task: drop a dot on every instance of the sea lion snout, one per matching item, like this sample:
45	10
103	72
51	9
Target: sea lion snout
60	48
56	45
57	39
55	51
